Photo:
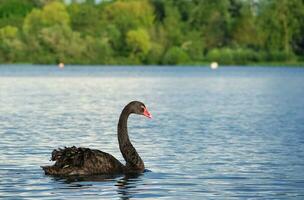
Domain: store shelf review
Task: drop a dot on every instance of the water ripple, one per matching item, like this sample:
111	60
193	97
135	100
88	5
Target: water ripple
234	133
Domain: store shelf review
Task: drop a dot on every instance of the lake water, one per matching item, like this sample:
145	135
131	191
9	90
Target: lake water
231	133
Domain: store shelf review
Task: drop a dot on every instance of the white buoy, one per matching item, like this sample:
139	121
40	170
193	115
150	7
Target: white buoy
214	65
61	65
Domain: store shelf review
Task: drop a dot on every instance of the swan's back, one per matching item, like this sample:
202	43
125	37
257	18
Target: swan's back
82	161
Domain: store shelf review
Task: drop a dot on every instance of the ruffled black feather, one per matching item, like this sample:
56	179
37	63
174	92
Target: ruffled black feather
71	156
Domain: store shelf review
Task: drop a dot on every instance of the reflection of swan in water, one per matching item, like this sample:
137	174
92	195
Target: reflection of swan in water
123	183
82	179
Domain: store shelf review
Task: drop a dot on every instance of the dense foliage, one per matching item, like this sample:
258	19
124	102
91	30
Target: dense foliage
151	31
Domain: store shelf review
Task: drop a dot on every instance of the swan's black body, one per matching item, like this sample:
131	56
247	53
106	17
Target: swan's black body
85	161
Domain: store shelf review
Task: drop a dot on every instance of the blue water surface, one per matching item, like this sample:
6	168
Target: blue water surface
231	133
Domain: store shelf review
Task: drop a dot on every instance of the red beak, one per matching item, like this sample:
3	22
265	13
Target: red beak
146	113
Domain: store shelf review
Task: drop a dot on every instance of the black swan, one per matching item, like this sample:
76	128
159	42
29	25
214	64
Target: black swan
85	161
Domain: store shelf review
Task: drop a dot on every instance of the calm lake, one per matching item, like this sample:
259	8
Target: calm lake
231	133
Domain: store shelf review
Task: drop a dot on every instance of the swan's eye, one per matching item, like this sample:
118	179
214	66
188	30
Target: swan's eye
142	109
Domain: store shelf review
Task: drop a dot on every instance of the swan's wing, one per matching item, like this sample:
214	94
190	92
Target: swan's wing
70	156
77	161
102	163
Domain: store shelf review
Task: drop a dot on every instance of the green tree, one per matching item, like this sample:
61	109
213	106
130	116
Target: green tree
11	47
280	23
12	12
98	51
122	17
212	19
139	42
244	31
54	13
151	31
130	15
86	19
172	25
61	42
176	56
50	37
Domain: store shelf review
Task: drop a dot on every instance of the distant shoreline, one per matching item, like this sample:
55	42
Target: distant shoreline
300	64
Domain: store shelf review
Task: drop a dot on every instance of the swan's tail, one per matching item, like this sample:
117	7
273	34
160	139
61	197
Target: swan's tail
49	170
68	161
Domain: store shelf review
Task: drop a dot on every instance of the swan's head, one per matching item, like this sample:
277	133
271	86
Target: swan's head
139	108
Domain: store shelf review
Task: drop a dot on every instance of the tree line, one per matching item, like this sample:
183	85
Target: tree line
165	32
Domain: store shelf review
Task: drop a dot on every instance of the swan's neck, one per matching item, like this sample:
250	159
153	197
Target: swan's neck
133	160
